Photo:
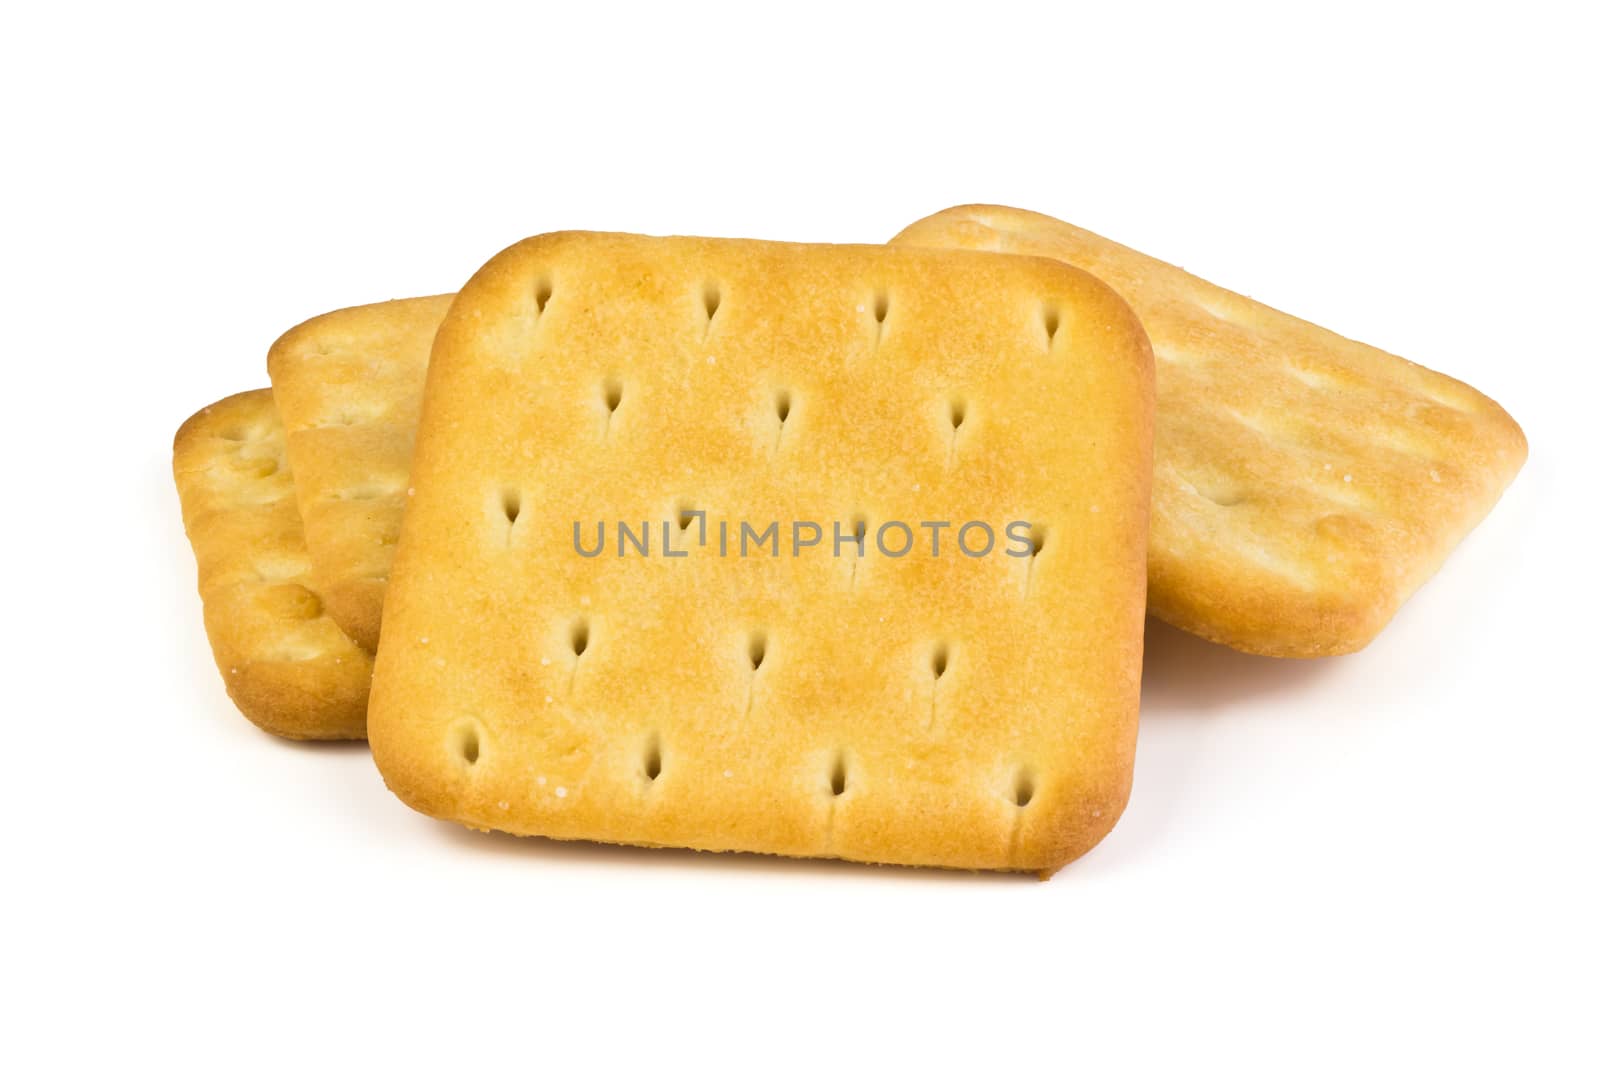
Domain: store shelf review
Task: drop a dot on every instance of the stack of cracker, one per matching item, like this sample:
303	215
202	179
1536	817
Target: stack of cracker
824	551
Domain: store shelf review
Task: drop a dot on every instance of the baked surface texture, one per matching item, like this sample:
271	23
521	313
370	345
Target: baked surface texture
1305	484
348	385
975	712
286	665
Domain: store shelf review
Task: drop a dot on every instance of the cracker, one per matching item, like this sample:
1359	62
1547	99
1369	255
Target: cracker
287	666
972	712
1305	484
348	385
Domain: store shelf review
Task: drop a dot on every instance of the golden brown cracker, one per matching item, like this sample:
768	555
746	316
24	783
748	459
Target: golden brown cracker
971	711
1305	484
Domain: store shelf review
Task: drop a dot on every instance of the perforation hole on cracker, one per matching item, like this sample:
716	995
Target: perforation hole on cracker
855	548
838	775
1224	495
1022	788
1052	323
879	309
464	741
711	301
652	758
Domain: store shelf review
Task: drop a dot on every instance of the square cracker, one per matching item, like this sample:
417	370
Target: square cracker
1305	484
348	385
286	665
973	712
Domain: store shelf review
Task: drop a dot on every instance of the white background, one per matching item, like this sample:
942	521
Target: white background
1384	858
